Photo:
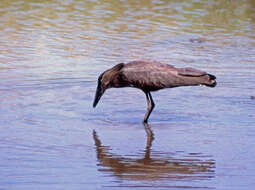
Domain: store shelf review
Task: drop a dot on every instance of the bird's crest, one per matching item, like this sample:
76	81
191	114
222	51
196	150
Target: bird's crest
109	74
116	68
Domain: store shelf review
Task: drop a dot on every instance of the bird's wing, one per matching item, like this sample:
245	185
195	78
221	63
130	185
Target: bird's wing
150	77
190	72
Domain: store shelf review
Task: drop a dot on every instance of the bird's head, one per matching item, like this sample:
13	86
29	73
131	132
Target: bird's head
105	81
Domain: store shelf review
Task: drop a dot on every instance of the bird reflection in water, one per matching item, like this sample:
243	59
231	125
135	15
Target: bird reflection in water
153	167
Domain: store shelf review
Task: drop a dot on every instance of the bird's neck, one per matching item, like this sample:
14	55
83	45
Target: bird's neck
117	82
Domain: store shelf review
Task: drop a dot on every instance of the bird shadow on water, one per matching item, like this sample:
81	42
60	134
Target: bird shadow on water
153	168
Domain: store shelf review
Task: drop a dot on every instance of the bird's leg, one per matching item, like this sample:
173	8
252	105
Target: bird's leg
150	106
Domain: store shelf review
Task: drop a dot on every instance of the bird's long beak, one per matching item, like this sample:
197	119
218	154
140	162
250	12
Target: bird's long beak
98	95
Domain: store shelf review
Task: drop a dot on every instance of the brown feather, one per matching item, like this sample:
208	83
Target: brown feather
152	76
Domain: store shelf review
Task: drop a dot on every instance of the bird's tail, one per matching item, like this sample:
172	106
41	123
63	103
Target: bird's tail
209	80
196	77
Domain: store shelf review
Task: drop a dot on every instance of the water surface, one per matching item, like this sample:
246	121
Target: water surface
51	53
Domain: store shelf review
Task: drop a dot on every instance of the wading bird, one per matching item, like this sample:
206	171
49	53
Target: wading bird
150	76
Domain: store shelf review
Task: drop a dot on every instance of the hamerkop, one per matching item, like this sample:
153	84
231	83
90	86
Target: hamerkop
150	76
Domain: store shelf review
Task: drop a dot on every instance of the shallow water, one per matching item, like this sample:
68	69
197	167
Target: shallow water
51	53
